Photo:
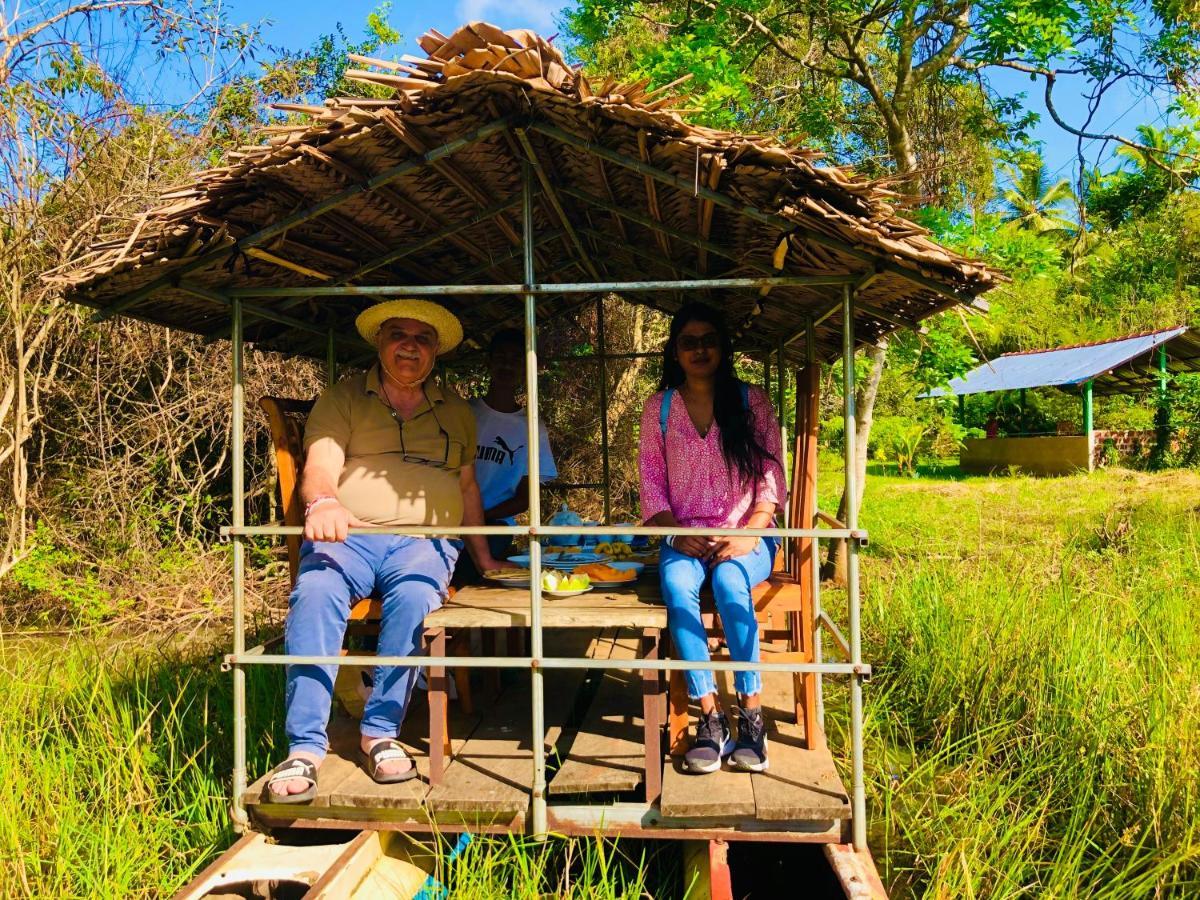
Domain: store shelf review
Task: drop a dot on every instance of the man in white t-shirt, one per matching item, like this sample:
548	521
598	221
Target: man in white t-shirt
502	437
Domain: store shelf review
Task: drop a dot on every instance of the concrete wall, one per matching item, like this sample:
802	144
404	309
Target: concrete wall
1045	455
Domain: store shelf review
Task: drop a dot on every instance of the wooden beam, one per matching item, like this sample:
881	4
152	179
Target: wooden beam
775	221
219	254
552	197
652	195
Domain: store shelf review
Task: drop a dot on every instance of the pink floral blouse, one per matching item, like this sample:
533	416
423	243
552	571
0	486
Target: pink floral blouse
690	477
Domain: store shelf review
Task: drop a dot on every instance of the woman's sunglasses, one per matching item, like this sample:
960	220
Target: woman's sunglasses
689	343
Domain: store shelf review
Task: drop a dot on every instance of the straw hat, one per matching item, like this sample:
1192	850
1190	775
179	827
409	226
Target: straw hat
445	323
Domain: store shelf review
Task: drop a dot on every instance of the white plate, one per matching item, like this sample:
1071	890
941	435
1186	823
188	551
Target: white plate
512	582
566	593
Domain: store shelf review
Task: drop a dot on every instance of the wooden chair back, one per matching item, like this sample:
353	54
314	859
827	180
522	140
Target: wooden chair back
285	419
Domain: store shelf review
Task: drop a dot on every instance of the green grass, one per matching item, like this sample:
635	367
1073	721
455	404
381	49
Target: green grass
1033	722
1034	718
114	770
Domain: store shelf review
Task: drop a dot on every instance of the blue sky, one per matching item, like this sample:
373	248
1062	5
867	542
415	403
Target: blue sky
298	23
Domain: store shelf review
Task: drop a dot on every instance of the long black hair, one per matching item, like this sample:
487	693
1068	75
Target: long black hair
740	448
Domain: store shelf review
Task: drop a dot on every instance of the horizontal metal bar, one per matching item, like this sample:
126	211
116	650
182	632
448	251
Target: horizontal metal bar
597	357
546	662
596	530
831	626
569	287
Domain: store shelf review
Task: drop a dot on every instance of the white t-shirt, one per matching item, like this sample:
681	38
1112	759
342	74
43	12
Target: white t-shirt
501	457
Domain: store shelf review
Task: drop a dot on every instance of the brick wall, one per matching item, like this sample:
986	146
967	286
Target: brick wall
1132	446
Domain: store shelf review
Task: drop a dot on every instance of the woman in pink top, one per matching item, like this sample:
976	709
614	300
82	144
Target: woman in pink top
711	459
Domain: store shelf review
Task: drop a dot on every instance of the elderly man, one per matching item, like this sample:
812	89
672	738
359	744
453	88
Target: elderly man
388	447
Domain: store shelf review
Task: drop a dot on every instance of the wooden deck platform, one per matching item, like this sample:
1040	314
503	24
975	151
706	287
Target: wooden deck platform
595	758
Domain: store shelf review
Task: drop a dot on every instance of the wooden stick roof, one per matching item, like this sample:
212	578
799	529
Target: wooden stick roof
424	187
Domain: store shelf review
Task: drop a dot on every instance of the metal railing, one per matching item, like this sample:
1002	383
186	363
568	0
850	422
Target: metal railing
854	668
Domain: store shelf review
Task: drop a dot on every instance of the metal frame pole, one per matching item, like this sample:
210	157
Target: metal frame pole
331	358
810	360
859	799
1088	424
605	464
781	406
238	466
537	684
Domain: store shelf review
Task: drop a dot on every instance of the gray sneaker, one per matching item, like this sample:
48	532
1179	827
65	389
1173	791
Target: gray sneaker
750	752
712	744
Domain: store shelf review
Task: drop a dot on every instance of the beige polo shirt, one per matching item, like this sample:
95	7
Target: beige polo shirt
397	472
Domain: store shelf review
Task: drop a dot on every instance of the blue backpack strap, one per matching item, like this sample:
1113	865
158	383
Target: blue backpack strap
669	393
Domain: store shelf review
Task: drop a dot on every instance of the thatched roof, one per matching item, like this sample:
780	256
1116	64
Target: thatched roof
424	187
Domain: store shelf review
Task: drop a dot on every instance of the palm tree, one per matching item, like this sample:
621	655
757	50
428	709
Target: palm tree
1032	202
1169	152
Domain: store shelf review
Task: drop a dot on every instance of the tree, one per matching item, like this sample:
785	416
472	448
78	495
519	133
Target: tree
75	154
1033	203
1169	165
892	58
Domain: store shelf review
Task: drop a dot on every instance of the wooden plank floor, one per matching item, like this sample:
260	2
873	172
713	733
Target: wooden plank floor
605	754
487	782
800	785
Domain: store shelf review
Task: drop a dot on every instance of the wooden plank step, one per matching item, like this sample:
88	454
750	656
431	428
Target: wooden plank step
724	796
491	777
342	781
606	754
800	783
339	765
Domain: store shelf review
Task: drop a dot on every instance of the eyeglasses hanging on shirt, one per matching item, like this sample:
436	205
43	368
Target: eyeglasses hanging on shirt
407	457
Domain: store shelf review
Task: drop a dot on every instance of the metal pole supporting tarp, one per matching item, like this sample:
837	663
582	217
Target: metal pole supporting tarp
238	492
331	358
537	685
810	360
572	287
605	462
858	809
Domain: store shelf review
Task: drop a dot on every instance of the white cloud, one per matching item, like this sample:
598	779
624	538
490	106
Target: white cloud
536	14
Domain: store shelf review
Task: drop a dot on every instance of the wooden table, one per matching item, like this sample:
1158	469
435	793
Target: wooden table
637	606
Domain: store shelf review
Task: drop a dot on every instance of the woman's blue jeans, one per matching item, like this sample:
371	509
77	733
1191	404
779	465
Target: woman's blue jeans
682	577
408	575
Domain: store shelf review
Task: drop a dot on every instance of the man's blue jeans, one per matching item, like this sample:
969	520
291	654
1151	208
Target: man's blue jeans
682	577
409	575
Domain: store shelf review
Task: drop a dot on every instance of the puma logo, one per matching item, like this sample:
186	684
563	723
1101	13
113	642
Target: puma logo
511	451
499	453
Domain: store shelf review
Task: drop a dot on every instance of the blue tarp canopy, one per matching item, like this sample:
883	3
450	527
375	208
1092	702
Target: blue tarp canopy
1122	366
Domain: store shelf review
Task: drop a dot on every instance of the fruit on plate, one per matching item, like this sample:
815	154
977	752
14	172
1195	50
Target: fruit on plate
601	573
562	581
615	549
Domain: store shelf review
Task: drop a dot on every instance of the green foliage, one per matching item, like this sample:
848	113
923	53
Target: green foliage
1031	730
62	583
1147	178
897	439
124	751
310	75
1033	203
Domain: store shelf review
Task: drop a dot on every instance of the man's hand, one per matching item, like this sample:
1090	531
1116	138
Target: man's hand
731	547
330	521
490	564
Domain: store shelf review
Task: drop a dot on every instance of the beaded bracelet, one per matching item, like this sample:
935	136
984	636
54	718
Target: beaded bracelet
314	501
